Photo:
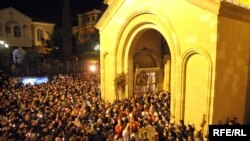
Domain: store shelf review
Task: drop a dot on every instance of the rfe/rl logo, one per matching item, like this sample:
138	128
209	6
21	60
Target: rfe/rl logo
229	132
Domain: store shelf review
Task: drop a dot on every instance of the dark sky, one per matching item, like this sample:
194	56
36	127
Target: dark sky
50	10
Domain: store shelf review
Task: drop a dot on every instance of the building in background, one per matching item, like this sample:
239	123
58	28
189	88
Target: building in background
24	38
40	31
19	30
87	38
85	28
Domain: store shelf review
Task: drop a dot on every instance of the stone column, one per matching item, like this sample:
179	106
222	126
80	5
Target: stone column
167	73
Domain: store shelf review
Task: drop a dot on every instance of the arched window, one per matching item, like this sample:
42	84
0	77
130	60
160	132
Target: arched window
17	31
40	34
7	29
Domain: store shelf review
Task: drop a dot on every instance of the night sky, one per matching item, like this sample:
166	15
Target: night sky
50	10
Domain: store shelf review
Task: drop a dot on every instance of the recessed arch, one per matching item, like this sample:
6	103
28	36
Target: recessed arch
136	24
189	54
39	34
152	59
139	22
17	31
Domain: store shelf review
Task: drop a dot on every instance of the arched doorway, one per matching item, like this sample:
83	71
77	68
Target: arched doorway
123	51
150	63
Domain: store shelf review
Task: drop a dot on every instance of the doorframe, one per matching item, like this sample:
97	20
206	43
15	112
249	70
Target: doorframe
150	69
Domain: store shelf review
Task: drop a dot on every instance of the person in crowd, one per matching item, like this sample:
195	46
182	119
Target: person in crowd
70	108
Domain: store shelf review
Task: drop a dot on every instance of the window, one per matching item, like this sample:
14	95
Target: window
40	35
17	31
7	29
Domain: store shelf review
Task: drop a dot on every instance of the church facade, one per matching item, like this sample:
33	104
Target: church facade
199	51
19	30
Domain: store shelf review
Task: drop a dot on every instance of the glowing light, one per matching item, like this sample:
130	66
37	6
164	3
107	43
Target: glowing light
97	47
3	44
34	80
92	68
6	45
29	81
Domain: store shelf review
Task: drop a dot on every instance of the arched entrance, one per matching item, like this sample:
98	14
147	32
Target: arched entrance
145	34
150	65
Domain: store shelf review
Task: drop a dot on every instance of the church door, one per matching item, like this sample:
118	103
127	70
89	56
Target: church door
146	80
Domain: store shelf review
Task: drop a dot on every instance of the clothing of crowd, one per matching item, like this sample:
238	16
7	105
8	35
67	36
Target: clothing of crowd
3	80
69	107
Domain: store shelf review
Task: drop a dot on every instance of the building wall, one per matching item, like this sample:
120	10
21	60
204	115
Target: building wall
86	25
28	29
167	18
246	2
46	28
12	18
232	71
199	42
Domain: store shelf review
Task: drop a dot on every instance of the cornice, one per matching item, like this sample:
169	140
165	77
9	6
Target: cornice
224	8
113	7
209	5
230	10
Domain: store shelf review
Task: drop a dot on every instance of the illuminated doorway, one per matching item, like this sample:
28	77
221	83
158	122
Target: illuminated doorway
145	81
149	67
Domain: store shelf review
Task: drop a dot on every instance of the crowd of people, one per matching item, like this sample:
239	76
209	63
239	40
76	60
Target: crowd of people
3	80
69	107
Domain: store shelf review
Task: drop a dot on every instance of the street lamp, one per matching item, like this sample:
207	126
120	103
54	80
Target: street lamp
97	47
5	55
92	68
6	45
3	44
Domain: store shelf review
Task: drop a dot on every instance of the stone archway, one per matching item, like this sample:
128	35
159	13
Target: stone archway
138	24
